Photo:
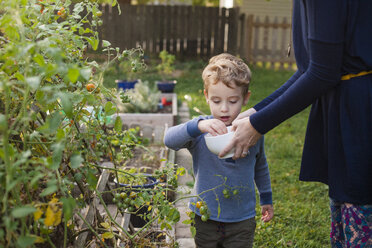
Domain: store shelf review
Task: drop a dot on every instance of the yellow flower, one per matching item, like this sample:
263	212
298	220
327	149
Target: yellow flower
53	214
38	213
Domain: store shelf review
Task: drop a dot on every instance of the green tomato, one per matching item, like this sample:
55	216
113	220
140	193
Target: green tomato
127	201
235	192
123	195
204	217
203	210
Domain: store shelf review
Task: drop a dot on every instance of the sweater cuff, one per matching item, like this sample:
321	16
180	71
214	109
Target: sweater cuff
192	127
266	198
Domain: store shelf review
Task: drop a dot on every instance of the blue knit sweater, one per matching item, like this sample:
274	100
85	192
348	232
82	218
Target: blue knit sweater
218	174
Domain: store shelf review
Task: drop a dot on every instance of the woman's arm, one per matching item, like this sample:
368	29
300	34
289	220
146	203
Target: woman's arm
325	45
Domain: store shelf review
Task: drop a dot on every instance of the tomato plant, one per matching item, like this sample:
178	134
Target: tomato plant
55	132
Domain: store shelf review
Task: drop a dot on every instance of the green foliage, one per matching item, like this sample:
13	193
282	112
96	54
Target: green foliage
132	63
54	122
143	99
165	68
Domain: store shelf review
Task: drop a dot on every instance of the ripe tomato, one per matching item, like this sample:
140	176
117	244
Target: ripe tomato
61	11
90	87
199	204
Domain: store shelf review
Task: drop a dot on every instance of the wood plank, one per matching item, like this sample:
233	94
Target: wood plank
232	35
249	38
208	32
92	208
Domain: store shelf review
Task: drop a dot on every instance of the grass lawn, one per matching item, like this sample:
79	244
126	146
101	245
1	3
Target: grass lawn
301	208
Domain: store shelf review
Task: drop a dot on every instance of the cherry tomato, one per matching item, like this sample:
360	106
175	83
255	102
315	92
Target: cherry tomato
203	210
204	217
61	11
132	194
199	204
90	87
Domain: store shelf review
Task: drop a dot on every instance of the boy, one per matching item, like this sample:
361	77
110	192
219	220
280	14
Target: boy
226	187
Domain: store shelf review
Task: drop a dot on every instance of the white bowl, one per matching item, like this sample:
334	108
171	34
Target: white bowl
217	143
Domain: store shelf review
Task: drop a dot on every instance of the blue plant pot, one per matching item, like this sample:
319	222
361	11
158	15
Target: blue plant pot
151	184
137	220
166	86
125	85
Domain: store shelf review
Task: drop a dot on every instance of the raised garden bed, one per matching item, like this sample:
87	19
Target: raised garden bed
152	119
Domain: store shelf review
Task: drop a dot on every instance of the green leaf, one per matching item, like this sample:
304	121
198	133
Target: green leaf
107	235
118	124
91	180
187	222
68	207
25	241
55	121
73	74
93	42
39	59
105	225
36	178
57	155
86	73
60	134
49	190
193	231
105	43
109	109
23	211
33	82
66	104
76	161
173	215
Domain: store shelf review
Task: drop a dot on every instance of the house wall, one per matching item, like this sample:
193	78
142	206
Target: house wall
263	8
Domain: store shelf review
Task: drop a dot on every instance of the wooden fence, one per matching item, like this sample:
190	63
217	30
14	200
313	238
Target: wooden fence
266	41
197	32
186	31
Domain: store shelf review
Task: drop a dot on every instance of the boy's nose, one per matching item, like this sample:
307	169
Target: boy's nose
224	107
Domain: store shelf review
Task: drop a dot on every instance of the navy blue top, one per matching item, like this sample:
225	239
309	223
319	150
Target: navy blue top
330	38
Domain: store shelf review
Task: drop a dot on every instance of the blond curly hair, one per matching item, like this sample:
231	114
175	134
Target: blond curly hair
227	69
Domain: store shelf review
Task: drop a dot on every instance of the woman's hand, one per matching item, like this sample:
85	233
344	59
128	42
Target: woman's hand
245	137
212	126
245	114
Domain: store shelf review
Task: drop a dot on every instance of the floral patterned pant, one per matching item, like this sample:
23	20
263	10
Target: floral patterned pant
351	225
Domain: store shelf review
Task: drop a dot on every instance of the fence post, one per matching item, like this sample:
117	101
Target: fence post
249	38
241	36
232	35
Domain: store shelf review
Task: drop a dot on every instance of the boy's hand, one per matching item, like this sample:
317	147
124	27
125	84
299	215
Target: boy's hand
212	126
267	212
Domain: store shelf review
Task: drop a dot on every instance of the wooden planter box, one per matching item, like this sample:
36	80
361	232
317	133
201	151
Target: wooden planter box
152	120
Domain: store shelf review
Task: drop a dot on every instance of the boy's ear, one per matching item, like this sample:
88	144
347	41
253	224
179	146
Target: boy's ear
246	98
206	96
